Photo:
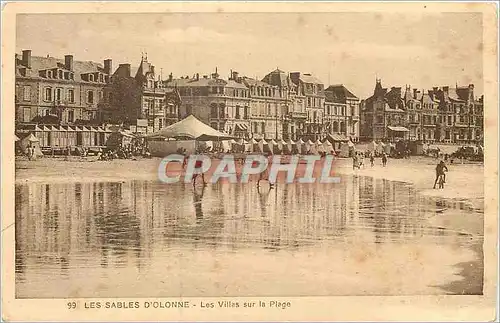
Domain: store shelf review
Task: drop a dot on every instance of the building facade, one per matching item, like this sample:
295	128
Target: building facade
222	104
437	115
341	115
139	99
65	91
311	90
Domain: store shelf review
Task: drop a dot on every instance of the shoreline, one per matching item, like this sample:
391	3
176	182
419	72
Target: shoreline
462	179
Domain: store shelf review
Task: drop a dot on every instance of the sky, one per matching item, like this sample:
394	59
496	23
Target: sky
421	50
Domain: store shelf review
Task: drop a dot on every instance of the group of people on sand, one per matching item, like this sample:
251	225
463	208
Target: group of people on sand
30	151
123	152
358	159
358	163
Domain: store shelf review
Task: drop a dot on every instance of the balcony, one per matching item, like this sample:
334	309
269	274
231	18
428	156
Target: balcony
298	115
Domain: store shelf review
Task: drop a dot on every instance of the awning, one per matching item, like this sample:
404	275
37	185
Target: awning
337	137
241	127
401	129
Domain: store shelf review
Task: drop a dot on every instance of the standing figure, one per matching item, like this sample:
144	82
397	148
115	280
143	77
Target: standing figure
372	160
384	159
440	174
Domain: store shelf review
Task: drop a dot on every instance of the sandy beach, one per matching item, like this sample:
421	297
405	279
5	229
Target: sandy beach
464	181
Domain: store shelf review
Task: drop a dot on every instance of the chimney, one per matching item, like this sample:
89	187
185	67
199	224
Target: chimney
446	89
234	76
197	76
108	66
415	91
27	58
126	71
152	69
68	62
435	89
170	77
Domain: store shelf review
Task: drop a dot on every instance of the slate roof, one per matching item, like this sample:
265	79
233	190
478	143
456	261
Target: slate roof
39	63
341	92
278	78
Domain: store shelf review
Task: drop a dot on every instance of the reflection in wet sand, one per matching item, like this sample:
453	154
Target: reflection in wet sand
364	236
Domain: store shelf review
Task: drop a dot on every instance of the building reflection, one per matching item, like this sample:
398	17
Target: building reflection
122	223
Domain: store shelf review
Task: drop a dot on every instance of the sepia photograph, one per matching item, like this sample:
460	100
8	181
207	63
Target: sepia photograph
212	159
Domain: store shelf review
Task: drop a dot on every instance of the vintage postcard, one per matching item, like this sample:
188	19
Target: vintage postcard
232	161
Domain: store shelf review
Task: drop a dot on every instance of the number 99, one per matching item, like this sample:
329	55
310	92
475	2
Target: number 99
71	305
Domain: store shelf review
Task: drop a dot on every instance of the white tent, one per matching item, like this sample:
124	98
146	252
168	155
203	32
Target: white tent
192	128
31	141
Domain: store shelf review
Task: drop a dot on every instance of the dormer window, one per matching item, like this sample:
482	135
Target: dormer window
101	78
91	78
60	74
49	74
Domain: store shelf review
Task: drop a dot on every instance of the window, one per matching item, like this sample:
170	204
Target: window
27	93
213	110
48	94
71	116
49	74
60	74
449	119
101	95
90	96
91	78
110	97
160	123
70	96
58	94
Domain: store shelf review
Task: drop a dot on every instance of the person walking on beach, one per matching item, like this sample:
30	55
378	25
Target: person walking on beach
384	159
355	162
440	171
265	174
198	164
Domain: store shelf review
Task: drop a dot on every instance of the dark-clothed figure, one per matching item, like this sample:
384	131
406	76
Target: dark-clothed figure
440	171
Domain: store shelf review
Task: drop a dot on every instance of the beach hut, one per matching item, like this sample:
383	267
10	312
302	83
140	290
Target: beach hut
293	146
263	146
309	145
119	138
301	146
255	145
284	147
319	146
328	147
273	146
31	141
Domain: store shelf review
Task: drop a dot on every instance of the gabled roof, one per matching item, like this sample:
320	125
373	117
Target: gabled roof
44	63
278	78
308	78
341	92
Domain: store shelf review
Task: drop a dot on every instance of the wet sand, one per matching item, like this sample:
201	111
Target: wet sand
463	181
